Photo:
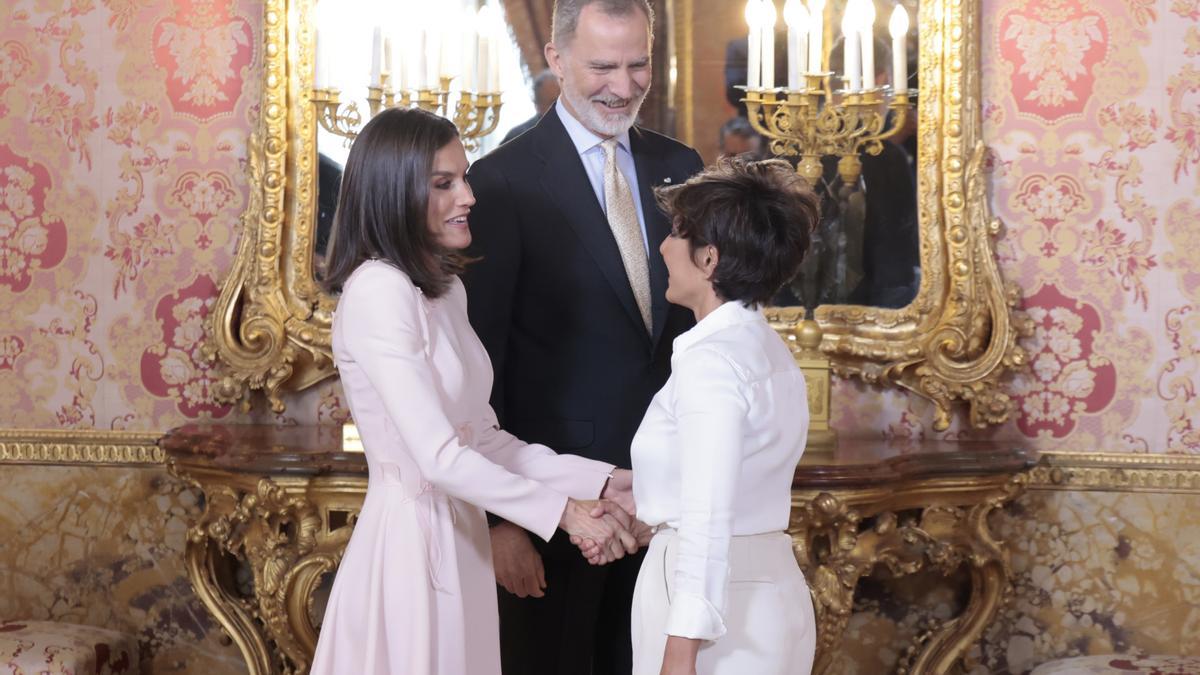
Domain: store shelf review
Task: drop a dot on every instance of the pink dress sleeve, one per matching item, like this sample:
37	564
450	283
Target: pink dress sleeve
572	475
380	330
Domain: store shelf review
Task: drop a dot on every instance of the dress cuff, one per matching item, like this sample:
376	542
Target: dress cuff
692	616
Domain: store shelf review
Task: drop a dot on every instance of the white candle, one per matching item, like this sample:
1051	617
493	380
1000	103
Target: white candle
376	55
448	36
423	59
496	30
796	18
387	59
816	36
867	10
414	67
898	27
470	55
485	66
320	61
767	22
850	50
433	58
753	46
483	28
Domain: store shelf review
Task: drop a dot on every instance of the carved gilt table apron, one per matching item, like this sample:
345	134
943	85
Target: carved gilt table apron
280	502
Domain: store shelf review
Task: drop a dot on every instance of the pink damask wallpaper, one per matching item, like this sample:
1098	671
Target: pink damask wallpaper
123	129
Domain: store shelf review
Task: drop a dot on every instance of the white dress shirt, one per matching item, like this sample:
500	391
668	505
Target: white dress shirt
715	454
592	155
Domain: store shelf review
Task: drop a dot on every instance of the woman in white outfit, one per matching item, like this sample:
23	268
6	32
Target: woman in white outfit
720	592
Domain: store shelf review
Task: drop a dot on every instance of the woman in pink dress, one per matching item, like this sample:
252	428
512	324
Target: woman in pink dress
415	593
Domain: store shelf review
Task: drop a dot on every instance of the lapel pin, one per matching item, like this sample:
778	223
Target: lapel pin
667	180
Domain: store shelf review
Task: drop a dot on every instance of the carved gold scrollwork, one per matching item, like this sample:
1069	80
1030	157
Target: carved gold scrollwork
278	534
837	545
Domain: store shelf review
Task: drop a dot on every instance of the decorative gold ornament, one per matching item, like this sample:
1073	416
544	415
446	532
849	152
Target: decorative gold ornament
938	524
805	343
289	533
1117	472
475	115
73	446
812	123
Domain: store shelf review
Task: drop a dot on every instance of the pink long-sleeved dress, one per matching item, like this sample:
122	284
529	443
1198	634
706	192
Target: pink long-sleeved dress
415	593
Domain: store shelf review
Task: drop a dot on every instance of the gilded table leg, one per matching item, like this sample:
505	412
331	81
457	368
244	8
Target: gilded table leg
953	538
237	622
279	535
836	548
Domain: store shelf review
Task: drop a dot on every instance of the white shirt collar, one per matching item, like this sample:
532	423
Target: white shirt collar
728	314
583	138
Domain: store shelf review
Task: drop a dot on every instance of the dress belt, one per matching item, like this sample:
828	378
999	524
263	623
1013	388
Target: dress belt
436	518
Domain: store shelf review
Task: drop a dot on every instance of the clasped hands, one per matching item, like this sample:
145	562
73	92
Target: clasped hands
606	529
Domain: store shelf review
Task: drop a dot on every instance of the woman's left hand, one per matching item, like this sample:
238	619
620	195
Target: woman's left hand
679	658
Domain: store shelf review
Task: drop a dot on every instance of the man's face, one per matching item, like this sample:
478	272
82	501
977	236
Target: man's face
605	69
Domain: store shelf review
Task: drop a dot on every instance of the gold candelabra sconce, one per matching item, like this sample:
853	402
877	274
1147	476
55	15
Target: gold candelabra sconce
808	119
814	122
475	114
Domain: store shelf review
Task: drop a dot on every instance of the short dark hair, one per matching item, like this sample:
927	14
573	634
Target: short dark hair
758	215
566	16
384	200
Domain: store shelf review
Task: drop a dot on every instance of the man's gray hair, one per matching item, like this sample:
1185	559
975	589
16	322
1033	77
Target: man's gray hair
566	16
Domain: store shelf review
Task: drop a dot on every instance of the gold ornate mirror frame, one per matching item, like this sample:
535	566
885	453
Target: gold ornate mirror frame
958	337
270	328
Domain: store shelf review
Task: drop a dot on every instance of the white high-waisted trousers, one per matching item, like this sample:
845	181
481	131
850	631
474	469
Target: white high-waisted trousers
769	621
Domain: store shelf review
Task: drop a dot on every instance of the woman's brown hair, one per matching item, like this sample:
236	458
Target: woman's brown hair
758	215
384	199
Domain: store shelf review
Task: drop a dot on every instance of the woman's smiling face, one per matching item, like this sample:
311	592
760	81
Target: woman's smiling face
450	197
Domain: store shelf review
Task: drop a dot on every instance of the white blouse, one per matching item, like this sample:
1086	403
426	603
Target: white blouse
715	454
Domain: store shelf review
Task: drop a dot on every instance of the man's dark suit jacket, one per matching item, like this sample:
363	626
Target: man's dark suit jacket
575	368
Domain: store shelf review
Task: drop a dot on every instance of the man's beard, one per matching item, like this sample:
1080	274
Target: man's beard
597	121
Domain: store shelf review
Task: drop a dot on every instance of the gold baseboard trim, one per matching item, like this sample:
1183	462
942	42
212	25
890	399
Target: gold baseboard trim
1116	472
70	447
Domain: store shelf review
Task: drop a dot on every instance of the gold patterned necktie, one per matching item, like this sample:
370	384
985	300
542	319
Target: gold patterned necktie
623	220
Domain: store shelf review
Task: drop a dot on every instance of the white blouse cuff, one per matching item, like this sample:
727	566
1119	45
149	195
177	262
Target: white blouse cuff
693	616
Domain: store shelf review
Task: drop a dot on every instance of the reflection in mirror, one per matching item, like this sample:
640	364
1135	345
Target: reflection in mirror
412	45
866	248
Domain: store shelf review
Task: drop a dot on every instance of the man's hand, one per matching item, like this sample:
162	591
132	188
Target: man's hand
518	566
619	489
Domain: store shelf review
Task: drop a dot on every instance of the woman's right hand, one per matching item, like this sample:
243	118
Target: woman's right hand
601	523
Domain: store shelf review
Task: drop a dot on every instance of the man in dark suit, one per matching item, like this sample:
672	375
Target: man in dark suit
569	298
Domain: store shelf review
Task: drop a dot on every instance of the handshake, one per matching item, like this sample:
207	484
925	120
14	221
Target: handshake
603	529
606	529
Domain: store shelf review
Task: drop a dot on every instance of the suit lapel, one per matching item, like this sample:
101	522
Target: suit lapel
650	174
566	181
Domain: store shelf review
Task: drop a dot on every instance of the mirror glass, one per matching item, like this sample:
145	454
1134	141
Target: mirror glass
866	249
